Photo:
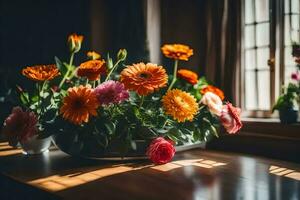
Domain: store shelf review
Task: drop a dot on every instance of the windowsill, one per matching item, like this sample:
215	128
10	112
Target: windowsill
271	127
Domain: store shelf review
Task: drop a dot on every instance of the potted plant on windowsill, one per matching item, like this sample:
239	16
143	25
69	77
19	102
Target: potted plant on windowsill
287	105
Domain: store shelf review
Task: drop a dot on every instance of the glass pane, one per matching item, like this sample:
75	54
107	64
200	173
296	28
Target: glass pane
295	22
295	6
249	17
286	6
262	10
249	36
287	32
262	34
250	59
263	55
288	72
264	90
250	93
288	58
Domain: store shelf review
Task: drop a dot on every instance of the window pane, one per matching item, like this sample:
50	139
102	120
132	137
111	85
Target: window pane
262	10
295	22
264	90
250	91
250	59
295	6
288	58
249	36
262	58
287	30
286	6
249	17
262	34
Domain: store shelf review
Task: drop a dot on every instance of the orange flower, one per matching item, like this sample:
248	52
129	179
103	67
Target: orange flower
93	55
214	90
92	69
177	51
180	105
79	104
41	72
144	78
188	75
75	42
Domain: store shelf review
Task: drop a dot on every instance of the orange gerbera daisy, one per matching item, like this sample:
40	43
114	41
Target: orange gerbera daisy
41	72
177	51
92	69
190	76
144	78
93	55
180	105
79	104
214	90
75	42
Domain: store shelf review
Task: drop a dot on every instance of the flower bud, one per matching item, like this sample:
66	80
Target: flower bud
75	41
122	54
93	55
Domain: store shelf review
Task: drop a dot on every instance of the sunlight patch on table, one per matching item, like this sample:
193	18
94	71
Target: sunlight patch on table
282	171
6	150
60	182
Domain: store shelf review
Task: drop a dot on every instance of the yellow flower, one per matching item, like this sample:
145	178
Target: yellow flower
180	105
41	72
93	55
75	42
177	51
79	104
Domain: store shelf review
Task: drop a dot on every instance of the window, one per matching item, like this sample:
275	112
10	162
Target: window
269	28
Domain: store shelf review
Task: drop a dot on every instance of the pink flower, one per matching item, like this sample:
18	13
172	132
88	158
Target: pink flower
230	118
20	125
111	92
213	102
295	76
161	151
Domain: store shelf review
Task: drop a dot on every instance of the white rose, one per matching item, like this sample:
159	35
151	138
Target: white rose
213	102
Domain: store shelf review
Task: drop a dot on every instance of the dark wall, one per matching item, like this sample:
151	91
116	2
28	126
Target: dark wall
33	32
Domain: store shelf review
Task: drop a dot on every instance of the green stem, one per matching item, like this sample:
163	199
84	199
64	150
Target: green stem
68	71
174	75
142	101
41	90
111	71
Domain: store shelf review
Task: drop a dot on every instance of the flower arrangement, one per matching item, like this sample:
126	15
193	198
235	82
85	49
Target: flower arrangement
104	106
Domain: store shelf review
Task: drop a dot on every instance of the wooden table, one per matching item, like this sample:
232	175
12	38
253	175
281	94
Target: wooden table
195	174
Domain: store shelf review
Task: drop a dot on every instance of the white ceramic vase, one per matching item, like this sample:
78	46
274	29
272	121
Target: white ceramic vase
35	146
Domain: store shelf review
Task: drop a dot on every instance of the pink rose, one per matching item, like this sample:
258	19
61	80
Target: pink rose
161	151
230	118
295	76
213	102
20	125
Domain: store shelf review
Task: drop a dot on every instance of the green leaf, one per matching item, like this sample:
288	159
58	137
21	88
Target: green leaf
111	127
24	97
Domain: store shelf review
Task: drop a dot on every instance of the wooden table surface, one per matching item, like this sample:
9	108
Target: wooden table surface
195	174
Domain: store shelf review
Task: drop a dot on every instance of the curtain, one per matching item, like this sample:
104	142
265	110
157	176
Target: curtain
223	46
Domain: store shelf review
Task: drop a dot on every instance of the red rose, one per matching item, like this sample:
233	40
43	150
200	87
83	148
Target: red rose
230	118
161	151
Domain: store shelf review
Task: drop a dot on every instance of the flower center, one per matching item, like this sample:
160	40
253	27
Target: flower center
144	75
77	104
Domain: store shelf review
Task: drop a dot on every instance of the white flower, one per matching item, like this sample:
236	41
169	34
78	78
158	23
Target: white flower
213	102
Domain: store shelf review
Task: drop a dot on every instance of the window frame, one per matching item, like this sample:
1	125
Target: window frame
276	58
